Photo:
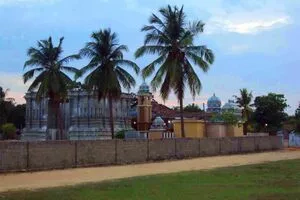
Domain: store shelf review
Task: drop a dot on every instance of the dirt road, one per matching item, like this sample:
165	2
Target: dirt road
56	178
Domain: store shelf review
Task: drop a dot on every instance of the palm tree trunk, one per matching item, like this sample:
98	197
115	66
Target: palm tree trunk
53	109
245	126
54	118
110	102
181	118
59	123
52	114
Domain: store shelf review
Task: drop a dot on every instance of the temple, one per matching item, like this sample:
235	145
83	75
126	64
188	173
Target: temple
82	116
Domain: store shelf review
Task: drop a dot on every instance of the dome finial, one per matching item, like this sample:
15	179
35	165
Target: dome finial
144	88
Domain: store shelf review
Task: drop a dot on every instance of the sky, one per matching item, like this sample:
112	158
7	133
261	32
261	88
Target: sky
254	41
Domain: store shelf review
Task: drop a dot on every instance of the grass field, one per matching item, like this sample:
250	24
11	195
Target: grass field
272	181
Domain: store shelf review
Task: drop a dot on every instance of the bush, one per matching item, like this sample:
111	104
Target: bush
8	131
226	117
120	134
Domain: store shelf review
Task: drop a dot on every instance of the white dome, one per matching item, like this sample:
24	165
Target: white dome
144	89
231	106
214	104
158	123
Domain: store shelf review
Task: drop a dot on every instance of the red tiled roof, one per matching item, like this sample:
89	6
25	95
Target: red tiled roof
166	112
162	110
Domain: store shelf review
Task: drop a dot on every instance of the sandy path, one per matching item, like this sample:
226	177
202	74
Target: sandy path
56	178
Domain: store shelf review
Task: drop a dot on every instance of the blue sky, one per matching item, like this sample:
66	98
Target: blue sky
255	41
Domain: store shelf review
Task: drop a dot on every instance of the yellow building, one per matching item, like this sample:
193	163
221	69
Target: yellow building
235	131
198	129
192	128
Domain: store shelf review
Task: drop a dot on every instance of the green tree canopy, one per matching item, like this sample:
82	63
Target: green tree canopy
8	131
49	70
192	108
270	111
226	117
297	113
2	94
6	106
17	116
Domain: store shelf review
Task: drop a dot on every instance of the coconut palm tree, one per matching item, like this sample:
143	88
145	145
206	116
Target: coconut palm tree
171	37
244	102
3	110
49	76
106	75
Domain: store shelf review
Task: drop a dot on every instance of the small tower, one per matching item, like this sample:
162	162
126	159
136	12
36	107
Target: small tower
144	108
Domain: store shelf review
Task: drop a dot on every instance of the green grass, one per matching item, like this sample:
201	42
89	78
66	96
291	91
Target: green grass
272	181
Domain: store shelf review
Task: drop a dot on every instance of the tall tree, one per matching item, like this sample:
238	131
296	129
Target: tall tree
244	102
106	75
49	74
297	112
171	37
2	94
6	105
17	116
3	111
270	111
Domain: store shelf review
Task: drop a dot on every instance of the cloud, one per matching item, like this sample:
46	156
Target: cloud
242	17
247	26
17	96
15	84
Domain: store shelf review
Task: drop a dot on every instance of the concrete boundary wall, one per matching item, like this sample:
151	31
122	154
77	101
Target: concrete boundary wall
93	153
51	155
186	148
131	151
209	147
161	149
229	145
34	156
13	156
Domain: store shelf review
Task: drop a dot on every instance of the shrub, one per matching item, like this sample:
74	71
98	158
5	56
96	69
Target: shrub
120	134
226	117
8	131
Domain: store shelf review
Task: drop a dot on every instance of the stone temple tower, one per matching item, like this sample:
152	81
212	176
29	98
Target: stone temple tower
144	108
